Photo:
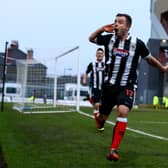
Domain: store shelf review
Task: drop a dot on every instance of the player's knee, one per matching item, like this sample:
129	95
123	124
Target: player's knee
96	105
122	110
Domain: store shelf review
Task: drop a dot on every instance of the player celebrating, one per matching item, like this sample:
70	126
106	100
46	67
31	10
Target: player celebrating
96	71
122	52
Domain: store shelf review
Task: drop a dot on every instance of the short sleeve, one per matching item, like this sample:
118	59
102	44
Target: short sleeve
103	39
89	68
142	49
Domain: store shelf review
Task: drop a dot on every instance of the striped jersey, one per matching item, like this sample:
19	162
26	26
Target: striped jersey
96	71
122	58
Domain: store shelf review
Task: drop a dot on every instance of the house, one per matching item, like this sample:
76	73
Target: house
13	53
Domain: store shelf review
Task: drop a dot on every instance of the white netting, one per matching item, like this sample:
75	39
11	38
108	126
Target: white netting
50	85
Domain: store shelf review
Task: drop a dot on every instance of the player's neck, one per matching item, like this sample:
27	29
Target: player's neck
123	37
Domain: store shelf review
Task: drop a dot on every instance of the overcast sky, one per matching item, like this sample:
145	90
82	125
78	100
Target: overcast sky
63	24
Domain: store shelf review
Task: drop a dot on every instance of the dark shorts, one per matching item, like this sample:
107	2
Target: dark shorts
96	95
112	95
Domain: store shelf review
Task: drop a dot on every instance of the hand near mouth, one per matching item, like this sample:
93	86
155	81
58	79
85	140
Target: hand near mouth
108	28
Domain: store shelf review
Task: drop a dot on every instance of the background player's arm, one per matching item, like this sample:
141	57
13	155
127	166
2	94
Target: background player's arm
154	62
84	81
85	75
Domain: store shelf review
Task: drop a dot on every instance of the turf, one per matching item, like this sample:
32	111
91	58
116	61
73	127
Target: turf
69	140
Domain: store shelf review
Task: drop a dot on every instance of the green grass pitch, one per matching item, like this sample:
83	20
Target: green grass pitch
70	140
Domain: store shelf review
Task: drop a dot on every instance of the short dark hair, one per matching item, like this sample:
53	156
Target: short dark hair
128	18
100	49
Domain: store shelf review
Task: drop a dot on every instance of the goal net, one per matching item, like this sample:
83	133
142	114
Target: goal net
52	84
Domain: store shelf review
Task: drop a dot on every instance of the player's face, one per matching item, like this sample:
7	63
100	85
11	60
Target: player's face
120	26
99	55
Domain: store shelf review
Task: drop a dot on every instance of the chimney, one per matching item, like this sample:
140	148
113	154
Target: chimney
30	54
14	44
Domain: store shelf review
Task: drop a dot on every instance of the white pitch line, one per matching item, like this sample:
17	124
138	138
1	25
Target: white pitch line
152	122
45	112
130	129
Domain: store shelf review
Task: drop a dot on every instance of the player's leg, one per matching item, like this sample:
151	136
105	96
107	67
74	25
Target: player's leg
96	115
125	103
108	101
96	102
118	132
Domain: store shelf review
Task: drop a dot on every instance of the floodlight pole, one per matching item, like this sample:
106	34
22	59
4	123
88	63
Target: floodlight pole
4	76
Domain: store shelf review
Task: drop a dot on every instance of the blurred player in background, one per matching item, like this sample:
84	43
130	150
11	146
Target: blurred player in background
122	54
96	72
155	102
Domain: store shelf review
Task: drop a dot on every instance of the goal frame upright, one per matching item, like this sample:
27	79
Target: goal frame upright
78	76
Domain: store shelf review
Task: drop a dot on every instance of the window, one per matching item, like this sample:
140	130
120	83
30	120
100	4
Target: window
11	90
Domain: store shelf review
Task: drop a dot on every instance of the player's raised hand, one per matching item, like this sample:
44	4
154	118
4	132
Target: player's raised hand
165	68
108	28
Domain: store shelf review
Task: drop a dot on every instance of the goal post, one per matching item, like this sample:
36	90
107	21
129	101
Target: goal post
78	75
52	84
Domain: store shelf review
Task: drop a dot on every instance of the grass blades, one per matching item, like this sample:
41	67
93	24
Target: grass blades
70	140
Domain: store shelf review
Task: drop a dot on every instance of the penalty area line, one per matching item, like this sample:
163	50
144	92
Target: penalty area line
130	129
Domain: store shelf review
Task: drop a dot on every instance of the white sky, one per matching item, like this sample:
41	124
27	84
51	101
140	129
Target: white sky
63	24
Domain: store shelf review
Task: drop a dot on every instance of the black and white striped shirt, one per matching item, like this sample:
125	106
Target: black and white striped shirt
96	71
122	58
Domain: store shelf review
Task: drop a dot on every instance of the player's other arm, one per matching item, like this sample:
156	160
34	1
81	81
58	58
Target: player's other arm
84	81
85	75
154	62
107	28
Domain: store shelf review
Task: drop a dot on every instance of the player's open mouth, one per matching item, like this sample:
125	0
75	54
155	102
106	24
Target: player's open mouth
116	30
